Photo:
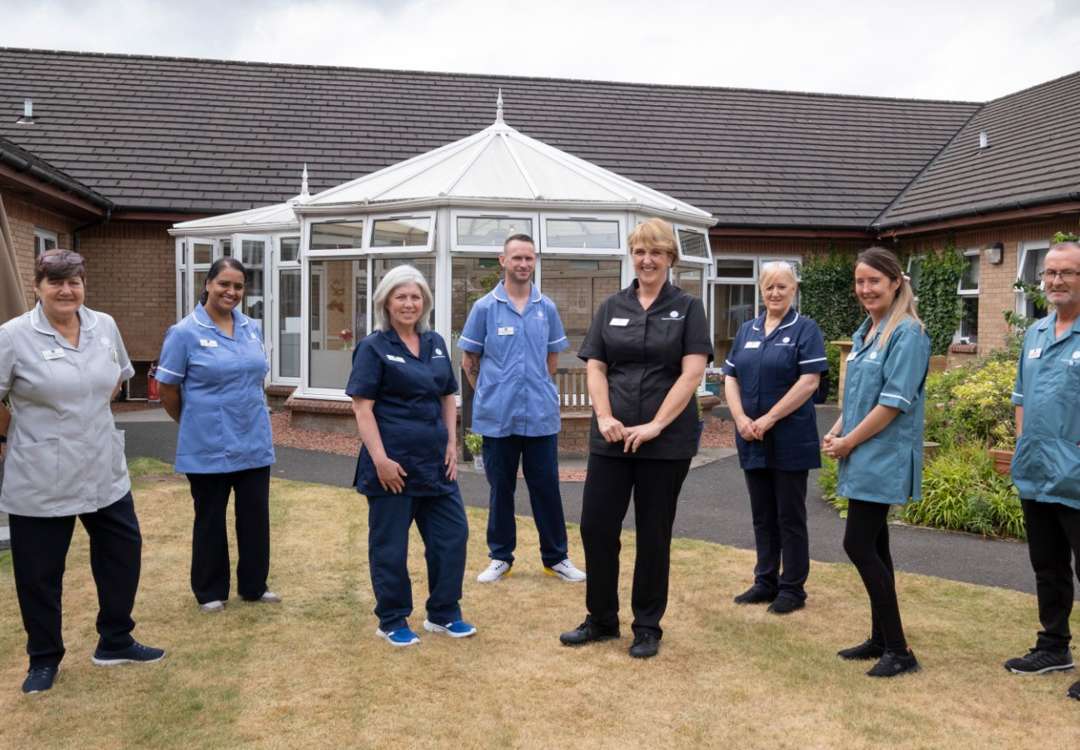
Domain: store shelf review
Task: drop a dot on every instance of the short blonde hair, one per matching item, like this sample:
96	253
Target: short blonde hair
775	268
654	233
394	278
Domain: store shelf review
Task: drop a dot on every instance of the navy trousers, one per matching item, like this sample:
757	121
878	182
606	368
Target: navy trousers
39	549
1053	534
539	459
445	531
778	507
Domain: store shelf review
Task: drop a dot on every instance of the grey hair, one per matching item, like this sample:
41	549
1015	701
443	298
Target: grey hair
776	268
394	278
1066	245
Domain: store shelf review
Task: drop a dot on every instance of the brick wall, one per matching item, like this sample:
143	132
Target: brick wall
131	274
996	293
24	217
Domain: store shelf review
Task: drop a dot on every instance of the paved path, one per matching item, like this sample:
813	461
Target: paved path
714	506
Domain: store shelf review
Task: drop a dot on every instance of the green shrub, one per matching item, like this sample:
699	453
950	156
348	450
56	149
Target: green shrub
972	404
938	304
828	478
832	354
827	294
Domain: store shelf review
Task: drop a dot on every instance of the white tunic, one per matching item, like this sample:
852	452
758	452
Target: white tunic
64	453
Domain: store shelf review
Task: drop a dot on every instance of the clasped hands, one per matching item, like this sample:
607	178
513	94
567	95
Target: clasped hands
632	437
754	429
835	446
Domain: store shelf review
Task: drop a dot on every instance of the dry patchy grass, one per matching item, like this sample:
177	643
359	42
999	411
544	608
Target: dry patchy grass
310	673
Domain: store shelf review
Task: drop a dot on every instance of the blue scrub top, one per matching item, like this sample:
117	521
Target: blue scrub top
766	368
1046	464
515	394
887	468
224	422
408	393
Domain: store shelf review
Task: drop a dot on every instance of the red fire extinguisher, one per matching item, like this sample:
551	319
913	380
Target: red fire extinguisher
151	384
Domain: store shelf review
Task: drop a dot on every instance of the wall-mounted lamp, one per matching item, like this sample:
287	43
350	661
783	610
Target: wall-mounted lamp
995	253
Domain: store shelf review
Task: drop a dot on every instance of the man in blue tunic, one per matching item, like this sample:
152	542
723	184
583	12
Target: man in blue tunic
1046	466
511	343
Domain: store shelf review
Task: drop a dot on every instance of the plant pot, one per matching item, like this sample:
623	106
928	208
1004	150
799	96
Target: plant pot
1002	460
478	462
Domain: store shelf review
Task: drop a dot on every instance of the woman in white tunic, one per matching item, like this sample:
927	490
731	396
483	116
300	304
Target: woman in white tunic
60	366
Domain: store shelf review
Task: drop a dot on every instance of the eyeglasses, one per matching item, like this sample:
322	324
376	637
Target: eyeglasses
61	258
1068	275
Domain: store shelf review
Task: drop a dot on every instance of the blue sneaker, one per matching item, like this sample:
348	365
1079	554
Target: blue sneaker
455	629
39	679
400	637
136	653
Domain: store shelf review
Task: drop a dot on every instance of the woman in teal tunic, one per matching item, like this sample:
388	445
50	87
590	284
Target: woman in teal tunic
878	441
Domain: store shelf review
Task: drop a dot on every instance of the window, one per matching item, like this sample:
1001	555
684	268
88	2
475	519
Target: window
470	279
287	315
1032	260
403	232
968	289
689	277
44	240
337	235
488	232
581	234
693	244
735	296
577	287
253	256
290	249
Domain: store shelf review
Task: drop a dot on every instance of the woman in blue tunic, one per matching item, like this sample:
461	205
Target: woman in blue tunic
772	372
402	386
211	371
878	441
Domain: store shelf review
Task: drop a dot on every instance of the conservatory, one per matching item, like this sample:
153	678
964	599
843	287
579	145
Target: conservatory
315	260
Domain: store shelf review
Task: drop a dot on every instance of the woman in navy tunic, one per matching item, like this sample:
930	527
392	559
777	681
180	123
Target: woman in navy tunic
773	370
402	386
878	441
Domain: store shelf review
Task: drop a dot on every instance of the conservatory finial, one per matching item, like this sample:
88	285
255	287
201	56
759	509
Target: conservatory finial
499	108
304	184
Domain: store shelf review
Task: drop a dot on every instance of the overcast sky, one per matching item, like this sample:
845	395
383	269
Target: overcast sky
943	49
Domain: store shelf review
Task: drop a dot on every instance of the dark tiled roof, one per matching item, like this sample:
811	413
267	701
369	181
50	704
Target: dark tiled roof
214	136
23	161
1033	157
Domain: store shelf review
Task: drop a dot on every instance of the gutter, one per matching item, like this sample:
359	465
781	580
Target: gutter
917	224
31	165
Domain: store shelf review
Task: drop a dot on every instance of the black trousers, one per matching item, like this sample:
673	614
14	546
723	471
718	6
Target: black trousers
210	575
778	507
866	541
655	485
1053	534
39	548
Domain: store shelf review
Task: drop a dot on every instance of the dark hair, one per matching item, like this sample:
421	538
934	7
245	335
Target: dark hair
58	264
219	265
885	261
519	237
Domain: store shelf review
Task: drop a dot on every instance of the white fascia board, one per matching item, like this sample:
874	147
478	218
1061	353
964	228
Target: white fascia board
224	230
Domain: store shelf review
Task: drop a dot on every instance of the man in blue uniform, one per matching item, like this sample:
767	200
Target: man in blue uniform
1046	466
511	343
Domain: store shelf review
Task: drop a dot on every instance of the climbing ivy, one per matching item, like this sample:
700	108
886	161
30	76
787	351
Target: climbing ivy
938	304
828	296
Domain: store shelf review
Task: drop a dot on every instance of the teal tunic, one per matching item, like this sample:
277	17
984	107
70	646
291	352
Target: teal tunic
887	468
1046	464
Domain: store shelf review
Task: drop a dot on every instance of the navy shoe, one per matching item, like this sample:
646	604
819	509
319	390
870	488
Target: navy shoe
136	653
756	595
455	629
1074	691
863	652
646	646
588	632
784	605
1040	661
39	679
893	664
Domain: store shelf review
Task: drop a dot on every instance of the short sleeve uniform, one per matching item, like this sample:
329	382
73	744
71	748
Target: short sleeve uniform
643	351
514	392
408	393
887	468
224	421
1046	463
64	454
766	366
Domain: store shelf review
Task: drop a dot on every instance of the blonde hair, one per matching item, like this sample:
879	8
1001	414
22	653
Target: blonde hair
774	268
903	304
655	233
394	278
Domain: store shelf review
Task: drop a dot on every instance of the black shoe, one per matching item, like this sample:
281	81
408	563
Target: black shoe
864	651
785	605
1040	661
646	645
755	595
39	679
136	653
892	664
587	632
1074	691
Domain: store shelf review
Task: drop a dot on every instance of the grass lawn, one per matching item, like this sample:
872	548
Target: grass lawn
310	673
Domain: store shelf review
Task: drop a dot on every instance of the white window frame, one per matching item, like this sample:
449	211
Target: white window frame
274	320
458	249
683	257
973	253
309	229
547	247
329	394
369	234
41	236
1021	261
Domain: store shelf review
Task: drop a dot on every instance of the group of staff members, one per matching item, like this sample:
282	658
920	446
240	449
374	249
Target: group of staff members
645	353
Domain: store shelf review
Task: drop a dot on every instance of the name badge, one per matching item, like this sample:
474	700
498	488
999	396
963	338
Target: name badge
752	345
57	353
506	330
395	358
208	343
1035	353
621	322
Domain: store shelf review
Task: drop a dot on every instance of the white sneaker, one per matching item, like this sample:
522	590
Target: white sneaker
493	572
269	597
210	607
566	571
